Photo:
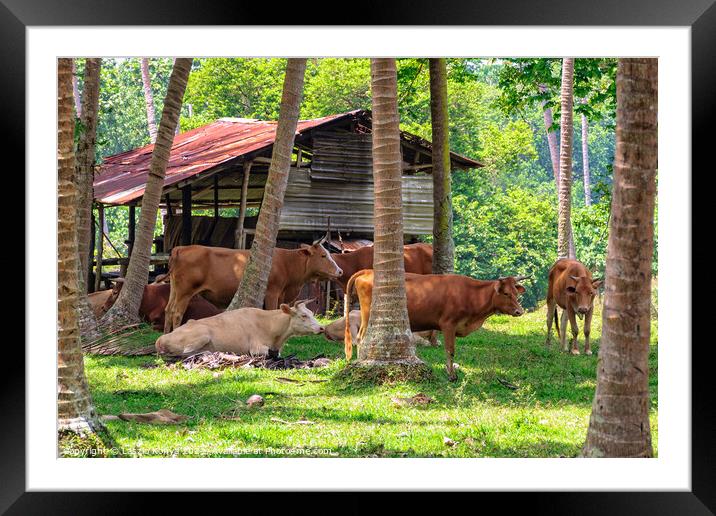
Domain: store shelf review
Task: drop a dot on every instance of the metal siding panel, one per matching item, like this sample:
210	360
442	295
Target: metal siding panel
308	204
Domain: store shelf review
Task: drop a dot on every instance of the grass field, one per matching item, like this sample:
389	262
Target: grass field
477	416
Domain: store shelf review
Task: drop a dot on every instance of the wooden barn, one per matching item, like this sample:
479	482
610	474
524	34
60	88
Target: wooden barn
225	165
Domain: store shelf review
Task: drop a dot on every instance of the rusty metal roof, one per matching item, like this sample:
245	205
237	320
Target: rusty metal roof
122	178
349	245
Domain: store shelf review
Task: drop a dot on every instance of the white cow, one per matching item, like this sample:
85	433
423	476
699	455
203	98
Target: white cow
244	331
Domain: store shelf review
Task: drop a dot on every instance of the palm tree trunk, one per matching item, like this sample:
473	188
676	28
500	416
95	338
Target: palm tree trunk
585	159
443	245
84	170
126	308
149	100
551	137
564	224
388	338
76	90
619	425
74	403
252	289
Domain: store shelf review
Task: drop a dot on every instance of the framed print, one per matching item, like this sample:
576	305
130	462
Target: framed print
272	156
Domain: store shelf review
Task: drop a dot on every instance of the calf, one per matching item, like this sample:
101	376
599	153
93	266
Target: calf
453	304
244	331
336	330
572	288
154	302
215	273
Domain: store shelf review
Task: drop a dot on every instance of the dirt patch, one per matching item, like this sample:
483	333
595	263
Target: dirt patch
385	373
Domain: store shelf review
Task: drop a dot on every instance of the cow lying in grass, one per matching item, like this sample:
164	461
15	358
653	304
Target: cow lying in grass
453	304
336	330
572	288
245	331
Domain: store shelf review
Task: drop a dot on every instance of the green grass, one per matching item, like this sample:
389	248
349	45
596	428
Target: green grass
546	416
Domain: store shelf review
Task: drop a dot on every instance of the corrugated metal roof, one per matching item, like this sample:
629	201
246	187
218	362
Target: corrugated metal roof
122	177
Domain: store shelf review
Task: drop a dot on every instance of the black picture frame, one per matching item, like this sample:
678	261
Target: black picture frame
700	15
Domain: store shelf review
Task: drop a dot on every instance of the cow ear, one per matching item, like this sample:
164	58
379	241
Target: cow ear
285	308
497	286
520	288
597	283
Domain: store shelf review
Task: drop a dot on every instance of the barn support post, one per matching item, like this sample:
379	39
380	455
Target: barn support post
240	238
90	258
100	246
132	229
328	283
186	215
216	198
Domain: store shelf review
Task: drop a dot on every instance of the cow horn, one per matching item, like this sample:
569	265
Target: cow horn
521	278
575	278
117	280
299	301
320	240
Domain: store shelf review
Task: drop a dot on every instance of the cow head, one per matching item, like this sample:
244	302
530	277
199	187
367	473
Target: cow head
580	292
319	263
116	289
302	321
506	297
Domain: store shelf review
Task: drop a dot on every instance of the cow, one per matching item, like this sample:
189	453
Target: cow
154	302
335	331
98	300
215	273
451	303
572	288
418	259
245	331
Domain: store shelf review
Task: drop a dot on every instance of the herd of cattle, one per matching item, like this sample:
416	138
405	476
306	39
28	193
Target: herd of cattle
189	303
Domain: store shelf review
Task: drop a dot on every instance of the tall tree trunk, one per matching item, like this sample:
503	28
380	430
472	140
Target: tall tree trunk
619	425
585	159
554	156
74	403
252	289
388	338
564	224
551	137
443	245
126	308
76	90
149	100
84	170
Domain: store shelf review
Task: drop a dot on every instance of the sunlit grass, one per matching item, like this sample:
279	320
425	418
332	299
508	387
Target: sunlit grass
546	416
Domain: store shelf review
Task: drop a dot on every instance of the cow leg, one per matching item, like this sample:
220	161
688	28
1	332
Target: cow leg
587	331
449	336
434	338
550	316
563	330
180	307
271	301
575	332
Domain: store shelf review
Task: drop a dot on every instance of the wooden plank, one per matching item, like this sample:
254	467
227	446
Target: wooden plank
239	236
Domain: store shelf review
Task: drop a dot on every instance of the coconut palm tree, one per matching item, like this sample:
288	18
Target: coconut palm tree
564	224
585	159
388	338
74	404
443	245
252	289
126	308
619	425
149	100
84	170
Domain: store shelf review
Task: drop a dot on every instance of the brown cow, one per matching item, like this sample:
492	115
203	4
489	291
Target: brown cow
215	273
572	288
418	259
154	302
453	304
97	301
